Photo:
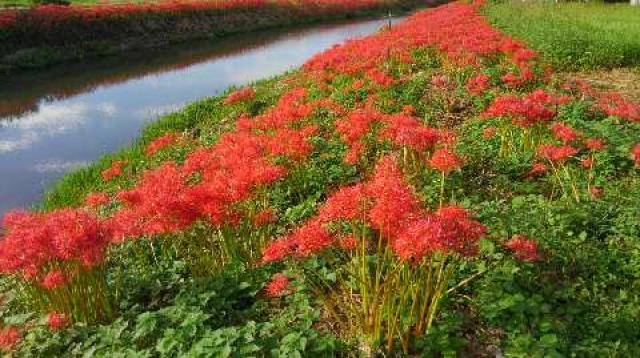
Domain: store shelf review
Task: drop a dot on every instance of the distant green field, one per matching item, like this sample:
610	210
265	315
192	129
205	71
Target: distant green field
574	36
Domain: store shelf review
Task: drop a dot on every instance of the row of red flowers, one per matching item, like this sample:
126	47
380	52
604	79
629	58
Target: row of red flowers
49	15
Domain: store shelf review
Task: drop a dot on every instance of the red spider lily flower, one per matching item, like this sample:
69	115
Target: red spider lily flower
489	132
380	78
510	45
357	124
57	321
357	85
9	338
278	286
462	231
614	104
448	138
523	248
478	85
512	80
53	279
445	161
595	144
278	250
33	241
160	203
537	169
524	55
587	163
311	238
160	143
408	131
348	242
241	95
533	108
96	199
440	81
293	143
264	217
115	170
419	239
596	192
636	154
305	241
556	153
354	153
564	133
395	202
348	203
450	229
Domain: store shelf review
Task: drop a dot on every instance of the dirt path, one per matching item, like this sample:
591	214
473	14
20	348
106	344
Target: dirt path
623	80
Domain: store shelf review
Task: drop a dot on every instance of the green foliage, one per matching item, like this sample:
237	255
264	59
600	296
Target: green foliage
218	316
574	36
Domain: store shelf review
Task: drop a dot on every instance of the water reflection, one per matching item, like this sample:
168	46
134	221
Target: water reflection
60	120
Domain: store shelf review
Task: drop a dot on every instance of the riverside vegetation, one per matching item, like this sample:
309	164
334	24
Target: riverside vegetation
45	35
431	190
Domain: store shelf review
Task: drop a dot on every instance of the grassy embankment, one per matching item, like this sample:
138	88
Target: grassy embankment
547	168
574	36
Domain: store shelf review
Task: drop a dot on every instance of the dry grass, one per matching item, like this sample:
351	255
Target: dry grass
623	80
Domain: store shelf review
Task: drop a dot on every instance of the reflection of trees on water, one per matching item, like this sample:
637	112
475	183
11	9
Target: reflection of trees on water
23	93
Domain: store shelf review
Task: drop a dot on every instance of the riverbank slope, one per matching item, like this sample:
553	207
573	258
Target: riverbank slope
51	34
432	189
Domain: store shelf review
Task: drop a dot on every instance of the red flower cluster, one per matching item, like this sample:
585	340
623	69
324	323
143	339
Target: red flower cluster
9	337
537	169
57	321
264	217
445	161
595	144
588	162
450	229
564	133
115	170
523	248
35	241
636	154
164	200
160	143
440	81
7	19
426	28
478	85
241	95
380	78
517	80
160	203
277	286
96	199
526	111
386	203
47	16
556	153
400	129
407	131
614	104
53	279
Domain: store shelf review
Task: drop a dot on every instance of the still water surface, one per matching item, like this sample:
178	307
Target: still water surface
55	121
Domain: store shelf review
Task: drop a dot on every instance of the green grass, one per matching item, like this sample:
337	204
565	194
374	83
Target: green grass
574	36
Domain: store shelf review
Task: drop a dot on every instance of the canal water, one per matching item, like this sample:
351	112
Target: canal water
55	121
